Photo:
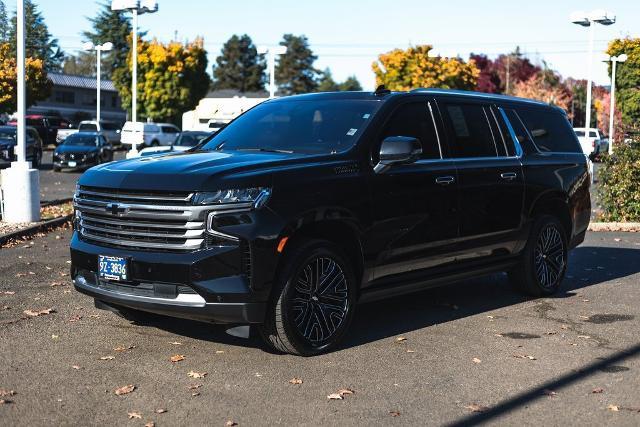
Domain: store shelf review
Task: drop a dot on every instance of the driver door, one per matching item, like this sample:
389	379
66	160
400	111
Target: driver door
415	218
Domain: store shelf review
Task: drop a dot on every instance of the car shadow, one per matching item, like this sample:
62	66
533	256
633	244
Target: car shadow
588	266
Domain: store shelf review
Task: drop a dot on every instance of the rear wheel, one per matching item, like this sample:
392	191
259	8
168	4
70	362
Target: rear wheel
544	261
313	301
155	143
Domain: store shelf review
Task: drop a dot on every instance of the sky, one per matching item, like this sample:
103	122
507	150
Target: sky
347	35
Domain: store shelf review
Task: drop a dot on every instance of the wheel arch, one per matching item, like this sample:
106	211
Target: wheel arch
553	203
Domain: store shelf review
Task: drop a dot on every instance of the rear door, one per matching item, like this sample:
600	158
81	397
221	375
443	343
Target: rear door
414	206
490	178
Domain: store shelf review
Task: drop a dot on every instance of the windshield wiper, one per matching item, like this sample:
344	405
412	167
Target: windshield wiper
264	150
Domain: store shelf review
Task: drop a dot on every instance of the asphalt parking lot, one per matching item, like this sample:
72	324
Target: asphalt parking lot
467	353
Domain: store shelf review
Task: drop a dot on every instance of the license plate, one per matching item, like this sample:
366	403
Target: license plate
112	267
72	164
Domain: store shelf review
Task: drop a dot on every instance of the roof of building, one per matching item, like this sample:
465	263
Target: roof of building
230	93
82	82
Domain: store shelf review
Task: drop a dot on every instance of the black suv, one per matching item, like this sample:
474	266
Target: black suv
306	205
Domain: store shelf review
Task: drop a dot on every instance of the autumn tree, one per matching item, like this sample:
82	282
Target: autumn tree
172	79
38	85
414	68
488	78
39	44
539	88
627	79
239	66
295	72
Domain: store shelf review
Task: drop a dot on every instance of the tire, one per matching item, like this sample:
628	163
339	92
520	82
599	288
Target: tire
155	143
319	318
544	259
37	159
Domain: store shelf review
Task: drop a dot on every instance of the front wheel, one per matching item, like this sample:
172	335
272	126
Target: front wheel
544	261
313	301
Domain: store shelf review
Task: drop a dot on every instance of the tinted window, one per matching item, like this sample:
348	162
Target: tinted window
300	126
504	138
470	132
87	127
579	133
169	129
81	140
109	126
415	121
151	128
550	130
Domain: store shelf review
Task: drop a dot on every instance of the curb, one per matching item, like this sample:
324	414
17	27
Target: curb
56	202
631	227
30	231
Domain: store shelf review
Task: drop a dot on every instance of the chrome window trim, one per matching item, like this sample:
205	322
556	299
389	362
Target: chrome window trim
493	137
519	150
504	140
435	127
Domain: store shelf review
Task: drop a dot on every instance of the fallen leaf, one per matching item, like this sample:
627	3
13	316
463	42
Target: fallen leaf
614	408
76	367
176	358
474	407
490	317
586	337
295	380
524	356
35	313
150	424
5	393
411	351
219	351
54	284
335	396
124	389
230	423
498	335
339	395
197	393
175	343
550	393
75	318
551	333
597	390
400	339
476	360
54	337
193	374
5	401
107	357
394	413
133	415
9	293
160	411
194	386
122	348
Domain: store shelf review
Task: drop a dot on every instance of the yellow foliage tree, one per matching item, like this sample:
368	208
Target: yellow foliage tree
172	79
413	68
37	82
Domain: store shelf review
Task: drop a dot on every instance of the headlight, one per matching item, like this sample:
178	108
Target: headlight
257	196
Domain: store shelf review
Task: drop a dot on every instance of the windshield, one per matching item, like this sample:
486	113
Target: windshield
579	133
297	126
190	139
81	140
88	127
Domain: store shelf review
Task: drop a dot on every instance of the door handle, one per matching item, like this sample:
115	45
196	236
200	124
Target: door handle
509	176
445	180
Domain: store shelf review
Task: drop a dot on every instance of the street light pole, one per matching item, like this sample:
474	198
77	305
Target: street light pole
271	63
99	49
21	183
587	120
612	108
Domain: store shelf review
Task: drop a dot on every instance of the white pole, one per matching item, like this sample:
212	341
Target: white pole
134	83
612	108
21	145
272	74
98	81
587	123
21	184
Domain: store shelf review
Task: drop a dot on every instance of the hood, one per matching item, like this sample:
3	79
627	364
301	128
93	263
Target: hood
77	149
189	171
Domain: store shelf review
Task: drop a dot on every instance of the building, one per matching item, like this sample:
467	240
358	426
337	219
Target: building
219	108
74	97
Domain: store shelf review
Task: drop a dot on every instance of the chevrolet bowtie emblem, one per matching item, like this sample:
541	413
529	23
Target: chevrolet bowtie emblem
117	209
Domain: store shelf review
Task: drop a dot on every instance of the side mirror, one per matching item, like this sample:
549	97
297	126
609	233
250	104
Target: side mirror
398	150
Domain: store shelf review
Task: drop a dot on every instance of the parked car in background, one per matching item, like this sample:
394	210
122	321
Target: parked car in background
149	134
185	141
8	144
46	126
63	133
82	150
590	143
306	205
110	130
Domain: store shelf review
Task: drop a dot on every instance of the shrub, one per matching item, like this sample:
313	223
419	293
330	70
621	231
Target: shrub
619	180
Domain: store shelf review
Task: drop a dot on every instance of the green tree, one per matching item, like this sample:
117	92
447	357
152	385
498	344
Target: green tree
39	43
414	68
351	84
38	84
4	23
172	79
82	64
627	79
239	66
326	82
112	26
295	72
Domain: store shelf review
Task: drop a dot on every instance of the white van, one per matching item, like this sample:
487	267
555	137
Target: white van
590	143
149	134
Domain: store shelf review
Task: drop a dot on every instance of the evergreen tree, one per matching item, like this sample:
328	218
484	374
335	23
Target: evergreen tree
351	84
4	23
239	66
83	64
39	43
111	26
295	72
326	82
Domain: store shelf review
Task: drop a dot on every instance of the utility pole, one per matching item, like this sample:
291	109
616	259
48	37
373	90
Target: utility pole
508	74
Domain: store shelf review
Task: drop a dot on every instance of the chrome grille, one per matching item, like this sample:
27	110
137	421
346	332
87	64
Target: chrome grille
140	220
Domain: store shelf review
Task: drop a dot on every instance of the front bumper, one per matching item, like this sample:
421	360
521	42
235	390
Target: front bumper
205	285
79	164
